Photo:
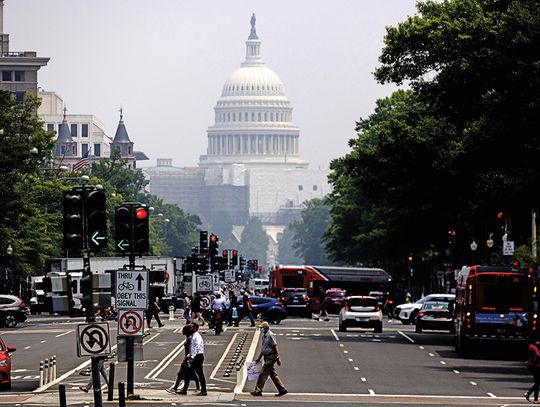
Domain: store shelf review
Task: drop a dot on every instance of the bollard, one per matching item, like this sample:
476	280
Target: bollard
41	378
171	312
62	394
51	368
46	372
121	395
54	368
110	389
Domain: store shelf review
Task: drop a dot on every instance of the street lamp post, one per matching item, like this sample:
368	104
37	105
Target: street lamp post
9	252
473	246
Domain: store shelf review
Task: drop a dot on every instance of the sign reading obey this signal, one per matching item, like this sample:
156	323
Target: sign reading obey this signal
132	289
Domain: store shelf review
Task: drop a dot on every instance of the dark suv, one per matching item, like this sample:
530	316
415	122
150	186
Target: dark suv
296	300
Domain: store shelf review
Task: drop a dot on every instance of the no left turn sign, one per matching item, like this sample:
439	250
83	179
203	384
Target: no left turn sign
93	339
130	323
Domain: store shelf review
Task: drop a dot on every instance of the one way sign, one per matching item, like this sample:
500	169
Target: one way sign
131	289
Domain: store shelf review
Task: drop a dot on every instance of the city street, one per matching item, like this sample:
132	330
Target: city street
320	365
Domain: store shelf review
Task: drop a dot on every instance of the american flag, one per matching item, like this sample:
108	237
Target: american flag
83	162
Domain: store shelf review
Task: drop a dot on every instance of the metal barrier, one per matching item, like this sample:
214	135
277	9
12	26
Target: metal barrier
47	371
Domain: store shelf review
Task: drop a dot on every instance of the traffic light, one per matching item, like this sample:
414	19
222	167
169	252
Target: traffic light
157	276
96	219
96	291
225	253
123	229
86	291
452	237
141	230
73	220
242	263
234	258
203	242
253	264
213	245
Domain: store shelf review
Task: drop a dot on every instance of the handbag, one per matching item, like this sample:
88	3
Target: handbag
254	370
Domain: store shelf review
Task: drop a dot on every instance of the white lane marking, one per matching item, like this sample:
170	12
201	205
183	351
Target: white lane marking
223	357
165	361
43	341
356	368
65	333
27	347
406	336
345	351
443	362
376	340
19	370
241	379
456	371
350	360
341	345
492	395
431	354
371	392
335	334
363	379
473	383
398	396
421	347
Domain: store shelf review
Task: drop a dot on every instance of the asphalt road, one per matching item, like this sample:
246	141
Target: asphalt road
320	365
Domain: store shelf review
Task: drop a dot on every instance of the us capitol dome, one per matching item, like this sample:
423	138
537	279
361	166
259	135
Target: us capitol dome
253	117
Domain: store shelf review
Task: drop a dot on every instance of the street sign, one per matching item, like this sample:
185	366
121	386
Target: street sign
93	339
130	322
205	283
132	289
206	301
508	248
230	276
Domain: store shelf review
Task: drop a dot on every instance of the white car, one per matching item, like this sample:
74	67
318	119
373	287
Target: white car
408	312
361	311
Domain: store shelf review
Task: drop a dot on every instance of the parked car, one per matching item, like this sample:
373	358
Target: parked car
362	312
408	312
435	315
296	300
5	364
335	299
12	310
270	309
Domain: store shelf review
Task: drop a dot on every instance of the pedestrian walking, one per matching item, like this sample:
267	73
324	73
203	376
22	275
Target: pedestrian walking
196	310
218	310
153	311
184	370
102	371
321	295
233	309
186	305
270	352
247	307
533	365
195	360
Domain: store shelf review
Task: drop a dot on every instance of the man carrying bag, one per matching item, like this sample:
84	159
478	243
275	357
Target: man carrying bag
270	352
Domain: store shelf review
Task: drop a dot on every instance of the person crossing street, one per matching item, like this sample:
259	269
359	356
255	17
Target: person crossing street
270	352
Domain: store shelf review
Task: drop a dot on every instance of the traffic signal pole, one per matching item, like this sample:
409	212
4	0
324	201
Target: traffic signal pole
130	343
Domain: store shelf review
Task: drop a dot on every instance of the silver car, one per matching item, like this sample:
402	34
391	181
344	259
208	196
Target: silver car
408	312
362	312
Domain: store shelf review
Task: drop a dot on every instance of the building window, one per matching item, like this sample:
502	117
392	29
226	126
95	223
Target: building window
19	96
259	116
84	149
74	150
19	76
6	76
62	150
300	187
245	116
50	126
84	130
314	187
129	150
97	150
74	130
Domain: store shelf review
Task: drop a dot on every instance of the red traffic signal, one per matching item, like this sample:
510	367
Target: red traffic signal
235	252
225	253
213	239
500	215
141	213
452	233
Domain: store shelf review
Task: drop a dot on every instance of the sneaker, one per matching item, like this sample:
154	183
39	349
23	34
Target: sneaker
182	392
171	390
281	393
162	325
526	395
256	393
327	319
82	388
202	393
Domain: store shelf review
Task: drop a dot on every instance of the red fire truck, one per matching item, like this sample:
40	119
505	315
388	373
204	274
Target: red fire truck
494	304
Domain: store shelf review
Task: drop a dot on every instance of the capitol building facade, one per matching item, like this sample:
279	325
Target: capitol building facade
252	166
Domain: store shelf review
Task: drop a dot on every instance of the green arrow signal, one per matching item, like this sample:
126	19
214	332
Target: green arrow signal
96	237
122	244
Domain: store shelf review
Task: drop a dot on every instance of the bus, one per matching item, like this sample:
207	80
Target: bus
494	304
355	280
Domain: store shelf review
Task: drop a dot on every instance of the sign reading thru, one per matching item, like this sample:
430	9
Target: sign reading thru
132	289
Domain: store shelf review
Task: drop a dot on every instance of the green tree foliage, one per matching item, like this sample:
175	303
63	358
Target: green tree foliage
254	241
286	253
309	231
458	147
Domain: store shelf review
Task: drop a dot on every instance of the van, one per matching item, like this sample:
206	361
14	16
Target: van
257	285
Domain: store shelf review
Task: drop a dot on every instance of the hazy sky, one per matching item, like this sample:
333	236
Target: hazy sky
166	61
